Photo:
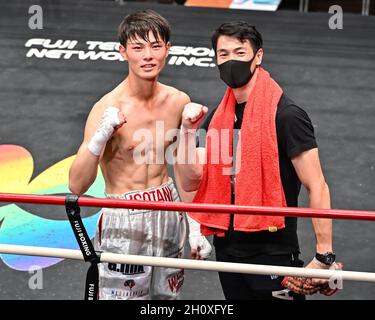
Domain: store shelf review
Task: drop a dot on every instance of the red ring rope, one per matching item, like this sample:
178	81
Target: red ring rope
192	207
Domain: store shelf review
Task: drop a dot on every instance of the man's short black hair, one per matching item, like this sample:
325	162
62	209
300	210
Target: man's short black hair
140	23
240	30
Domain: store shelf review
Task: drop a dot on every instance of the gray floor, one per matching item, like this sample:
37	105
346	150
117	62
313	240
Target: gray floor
44	103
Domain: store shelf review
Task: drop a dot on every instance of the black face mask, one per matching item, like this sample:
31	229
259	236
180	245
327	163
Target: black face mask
236	73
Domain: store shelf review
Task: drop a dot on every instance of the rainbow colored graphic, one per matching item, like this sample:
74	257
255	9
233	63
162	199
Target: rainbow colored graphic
18	226
267	5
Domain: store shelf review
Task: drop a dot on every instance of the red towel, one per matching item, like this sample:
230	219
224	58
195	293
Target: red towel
258	182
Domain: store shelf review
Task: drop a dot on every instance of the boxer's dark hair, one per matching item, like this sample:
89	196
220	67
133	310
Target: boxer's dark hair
140	23
240	30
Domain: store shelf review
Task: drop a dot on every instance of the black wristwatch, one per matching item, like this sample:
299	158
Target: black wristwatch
327	258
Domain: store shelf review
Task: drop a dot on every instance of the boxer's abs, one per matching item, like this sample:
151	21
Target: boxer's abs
122	176
134	158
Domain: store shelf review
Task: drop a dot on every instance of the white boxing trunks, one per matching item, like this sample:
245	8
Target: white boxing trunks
145	233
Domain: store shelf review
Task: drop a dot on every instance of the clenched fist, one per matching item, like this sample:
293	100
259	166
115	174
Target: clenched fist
112	119
193	115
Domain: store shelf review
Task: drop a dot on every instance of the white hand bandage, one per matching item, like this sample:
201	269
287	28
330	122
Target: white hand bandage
192	115
109	121
197	240
192	111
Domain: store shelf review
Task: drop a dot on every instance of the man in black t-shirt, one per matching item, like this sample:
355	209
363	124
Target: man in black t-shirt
239	53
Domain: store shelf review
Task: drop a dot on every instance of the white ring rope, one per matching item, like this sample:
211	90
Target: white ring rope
192	264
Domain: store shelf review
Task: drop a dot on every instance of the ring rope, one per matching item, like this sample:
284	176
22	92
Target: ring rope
192	207
191	264
188	263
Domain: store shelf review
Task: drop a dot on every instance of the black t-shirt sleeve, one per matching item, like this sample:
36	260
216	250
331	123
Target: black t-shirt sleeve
295	131
203	128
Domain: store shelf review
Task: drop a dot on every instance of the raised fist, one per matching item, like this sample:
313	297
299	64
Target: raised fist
112	119
193	115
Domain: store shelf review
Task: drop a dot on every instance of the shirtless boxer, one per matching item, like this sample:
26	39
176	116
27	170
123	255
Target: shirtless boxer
110	140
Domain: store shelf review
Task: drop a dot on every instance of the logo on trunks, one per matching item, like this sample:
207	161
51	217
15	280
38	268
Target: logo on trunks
118	294
176	281
129	283
126	269
163	194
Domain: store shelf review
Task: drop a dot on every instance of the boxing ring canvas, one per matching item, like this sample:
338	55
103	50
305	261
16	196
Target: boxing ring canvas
51	77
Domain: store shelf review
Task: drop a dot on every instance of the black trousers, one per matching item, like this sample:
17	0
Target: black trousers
237	286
